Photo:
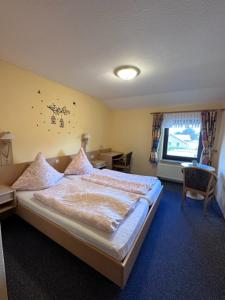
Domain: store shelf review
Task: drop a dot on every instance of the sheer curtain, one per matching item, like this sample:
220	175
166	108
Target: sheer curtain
184	119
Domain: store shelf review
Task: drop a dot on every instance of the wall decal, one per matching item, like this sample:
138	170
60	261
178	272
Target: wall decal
61	123
60	113
57	110
53	119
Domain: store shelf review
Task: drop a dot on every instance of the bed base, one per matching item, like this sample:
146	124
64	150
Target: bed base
116	271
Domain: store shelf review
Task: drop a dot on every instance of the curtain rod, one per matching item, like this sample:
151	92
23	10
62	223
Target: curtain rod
186	111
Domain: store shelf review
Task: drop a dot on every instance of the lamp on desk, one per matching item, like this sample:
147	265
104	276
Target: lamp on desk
85	137
6	154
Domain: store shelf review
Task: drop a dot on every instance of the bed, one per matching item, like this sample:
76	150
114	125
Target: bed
113	255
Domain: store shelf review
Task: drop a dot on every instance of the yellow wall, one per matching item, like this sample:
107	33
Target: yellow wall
22	109
131	131
19	93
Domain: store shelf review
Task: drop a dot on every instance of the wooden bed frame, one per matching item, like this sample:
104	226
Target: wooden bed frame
3	287
116	271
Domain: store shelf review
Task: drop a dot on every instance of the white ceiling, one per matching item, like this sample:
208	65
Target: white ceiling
178	44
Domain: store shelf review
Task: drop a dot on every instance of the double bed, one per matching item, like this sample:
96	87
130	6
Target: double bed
110	253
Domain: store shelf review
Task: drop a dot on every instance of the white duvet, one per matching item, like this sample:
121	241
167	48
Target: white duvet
101	207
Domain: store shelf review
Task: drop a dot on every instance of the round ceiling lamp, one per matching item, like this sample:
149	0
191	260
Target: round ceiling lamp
127	72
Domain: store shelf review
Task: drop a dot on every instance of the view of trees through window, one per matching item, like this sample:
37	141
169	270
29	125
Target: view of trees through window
183	142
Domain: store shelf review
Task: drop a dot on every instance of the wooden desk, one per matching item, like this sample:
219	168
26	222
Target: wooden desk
108	157
200	166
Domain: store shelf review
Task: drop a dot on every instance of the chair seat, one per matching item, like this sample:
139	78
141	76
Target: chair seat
120	162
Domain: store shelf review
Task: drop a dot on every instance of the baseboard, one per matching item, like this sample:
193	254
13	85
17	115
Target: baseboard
170	180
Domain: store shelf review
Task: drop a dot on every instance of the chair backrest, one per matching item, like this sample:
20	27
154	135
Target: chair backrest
128	157
197	179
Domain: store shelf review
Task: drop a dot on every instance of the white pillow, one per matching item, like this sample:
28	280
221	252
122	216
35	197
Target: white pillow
39	175
80	165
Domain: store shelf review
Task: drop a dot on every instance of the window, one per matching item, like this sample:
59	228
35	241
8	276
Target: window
182	143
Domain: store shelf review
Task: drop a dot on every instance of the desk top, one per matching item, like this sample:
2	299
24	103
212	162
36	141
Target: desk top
111	153
200	166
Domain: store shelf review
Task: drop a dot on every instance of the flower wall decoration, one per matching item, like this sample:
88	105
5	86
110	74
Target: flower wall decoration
57	116
58	111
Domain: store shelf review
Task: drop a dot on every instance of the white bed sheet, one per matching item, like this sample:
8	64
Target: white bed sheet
115	244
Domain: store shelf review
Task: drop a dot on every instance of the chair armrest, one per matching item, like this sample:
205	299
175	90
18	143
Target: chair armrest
215	176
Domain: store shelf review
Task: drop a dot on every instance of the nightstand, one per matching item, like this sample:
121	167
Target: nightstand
7	199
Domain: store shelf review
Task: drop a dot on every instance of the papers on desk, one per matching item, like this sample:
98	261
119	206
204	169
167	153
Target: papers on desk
99	164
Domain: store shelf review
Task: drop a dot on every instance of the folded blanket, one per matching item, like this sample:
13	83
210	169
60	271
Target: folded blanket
103	208
126	182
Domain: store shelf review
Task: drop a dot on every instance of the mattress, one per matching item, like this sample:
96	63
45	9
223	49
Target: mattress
116	244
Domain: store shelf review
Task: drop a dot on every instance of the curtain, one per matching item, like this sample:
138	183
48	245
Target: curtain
208	133
156	134
184	119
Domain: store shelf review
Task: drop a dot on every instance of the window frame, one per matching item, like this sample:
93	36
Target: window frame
179	158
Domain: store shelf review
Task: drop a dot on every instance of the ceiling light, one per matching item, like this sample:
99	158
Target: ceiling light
127	72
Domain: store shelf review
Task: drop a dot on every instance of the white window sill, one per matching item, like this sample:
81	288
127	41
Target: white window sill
171	162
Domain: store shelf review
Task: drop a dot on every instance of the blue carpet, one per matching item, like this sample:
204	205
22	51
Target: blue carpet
183	257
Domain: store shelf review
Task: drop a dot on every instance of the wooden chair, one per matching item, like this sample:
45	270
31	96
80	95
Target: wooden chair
198	181
123	163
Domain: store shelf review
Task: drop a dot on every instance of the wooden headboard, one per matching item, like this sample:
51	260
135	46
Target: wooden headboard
9	174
